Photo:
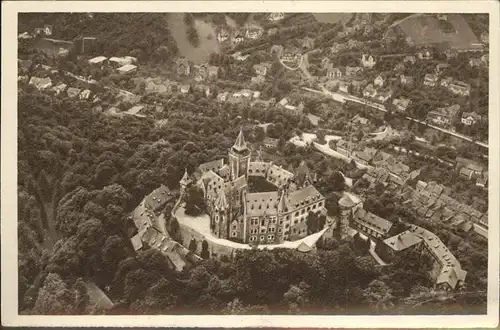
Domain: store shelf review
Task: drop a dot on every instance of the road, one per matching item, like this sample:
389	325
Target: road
342	97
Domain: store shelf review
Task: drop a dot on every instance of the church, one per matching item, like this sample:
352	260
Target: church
250	217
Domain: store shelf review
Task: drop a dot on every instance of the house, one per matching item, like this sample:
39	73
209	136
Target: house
346	148
430	80
262	68
118	62
73	92
25	35
326	63
368	61
222	97
445	82
254	32
213	71
291	57
482	181
203	89
401	104
185	88
183	67
38	31
351	71
358	85
85	94
399	67
59	88
259	80
384	96
472	168
450	53
475	62
272	31
440	67
470	118
200	72
406	80
47	29
379	81
485	59
274	17
238	38
278	49
443	116
307	43
460	88
410	59
41	83
344	86
237	56
366	155
99	60
370	91
485	38
222	36
334	73
425	55
127	69
270	142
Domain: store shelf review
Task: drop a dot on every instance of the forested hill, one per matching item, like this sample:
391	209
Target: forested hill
118	34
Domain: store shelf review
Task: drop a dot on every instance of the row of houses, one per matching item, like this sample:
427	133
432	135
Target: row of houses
238	35
150	235
444	116
446	271
455	86
62	89
124	65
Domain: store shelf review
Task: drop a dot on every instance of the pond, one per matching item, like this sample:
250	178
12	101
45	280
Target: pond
206	33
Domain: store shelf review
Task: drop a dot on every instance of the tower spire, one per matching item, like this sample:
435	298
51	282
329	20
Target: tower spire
240	144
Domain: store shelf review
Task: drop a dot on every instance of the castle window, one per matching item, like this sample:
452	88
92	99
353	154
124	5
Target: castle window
287	217
281	221
303	211
251	207
270	237
263	222
260	207
262	238
262	230
294	230
308	209
287	225
279	230
296	213
267	206
233	234
253	238
234	227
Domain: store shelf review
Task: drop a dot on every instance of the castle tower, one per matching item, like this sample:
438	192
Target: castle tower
239	157
347	206
185	181
220	216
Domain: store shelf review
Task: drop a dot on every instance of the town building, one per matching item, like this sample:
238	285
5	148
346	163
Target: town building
59	88
262	68
274	17
379	81
351	71
410	59
370	91
384	96
255	217
41	83
85	94
425	55
222	35
127	69
368	61
445	82
99	60
183	67
430	80
406	80
446	271
334	73
443	116
459	88
470	118
73	92
401	104
345	147
254	32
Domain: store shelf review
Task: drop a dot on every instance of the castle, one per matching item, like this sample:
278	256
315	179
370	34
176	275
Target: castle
243	216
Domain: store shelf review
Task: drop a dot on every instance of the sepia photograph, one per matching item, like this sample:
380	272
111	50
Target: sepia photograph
217	162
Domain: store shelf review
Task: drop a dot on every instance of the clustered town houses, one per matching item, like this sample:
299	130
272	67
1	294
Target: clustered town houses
256	217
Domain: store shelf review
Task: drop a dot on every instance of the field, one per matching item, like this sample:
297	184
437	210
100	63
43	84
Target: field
206	33
332	17
426	30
